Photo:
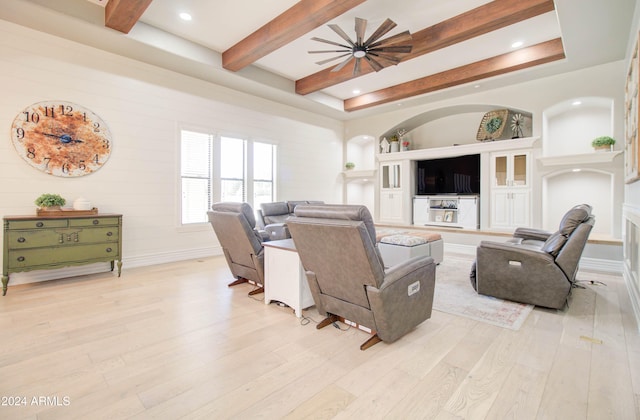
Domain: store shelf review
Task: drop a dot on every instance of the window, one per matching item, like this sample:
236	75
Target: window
196	175
232	169
223	168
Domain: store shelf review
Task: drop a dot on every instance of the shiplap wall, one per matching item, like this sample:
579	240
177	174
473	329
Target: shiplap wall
145	107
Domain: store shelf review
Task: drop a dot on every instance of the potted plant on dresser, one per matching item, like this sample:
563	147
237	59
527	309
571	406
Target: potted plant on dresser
50	202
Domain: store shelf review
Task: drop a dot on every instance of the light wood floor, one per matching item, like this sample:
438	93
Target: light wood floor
173	342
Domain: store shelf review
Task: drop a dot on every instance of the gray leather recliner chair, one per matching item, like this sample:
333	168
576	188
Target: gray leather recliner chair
337	247
535	266
272	218
234	225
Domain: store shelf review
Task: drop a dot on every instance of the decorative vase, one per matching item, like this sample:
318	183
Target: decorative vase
395	146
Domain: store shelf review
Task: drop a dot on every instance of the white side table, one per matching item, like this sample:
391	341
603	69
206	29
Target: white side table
285	280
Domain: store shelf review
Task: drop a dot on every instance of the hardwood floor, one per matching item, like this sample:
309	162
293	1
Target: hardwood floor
173	341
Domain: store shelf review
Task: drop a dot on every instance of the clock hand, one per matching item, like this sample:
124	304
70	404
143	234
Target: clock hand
65	138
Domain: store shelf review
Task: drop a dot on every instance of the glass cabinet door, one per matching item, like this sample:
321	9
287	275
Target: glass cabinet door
520	170
501	171
391	176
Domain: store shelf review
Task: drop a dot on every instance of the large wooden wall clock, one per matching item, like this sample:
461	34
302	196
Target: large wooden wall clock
61	138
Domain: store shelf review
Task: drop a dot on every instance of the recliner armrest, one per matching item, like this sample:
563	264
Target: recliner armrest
276	231
531	233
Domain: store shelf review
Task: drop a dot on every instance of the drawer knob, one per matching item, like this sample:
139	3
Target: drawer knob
39	224
95	222
20	259
109	233
109	249
21	239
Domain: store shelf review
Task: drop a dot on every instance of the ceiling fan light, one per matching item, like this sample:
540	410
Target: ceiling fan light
359	53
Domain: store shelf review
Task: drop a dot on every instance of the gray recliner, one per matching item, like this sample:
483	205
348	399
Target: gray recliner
535	266
347	278
272	218
234	225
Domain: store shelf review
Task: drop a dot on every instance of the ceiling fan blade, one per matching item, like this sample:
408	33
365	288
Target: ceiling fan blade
393	49
390	58
386	26
342	34
373	63
341	65
330	42
328	60
356	67
402	37
329	51
361	26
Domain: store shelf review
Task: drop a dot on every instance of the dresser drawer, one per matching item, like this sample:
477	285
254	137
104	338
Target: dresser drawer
94	221
36	224
21	239
65	255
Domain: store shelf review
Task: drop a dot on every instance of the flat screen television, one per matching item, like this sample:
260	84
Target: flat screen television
453	175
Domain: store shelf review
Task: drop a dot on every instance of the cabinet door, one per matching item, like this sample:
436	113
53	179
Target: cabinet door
420	211
520	208
500	209
509	170
390	173
391	206
468	212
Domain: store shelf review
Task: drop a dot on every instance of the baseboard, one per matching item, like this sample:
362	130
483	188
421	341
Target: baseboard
634	295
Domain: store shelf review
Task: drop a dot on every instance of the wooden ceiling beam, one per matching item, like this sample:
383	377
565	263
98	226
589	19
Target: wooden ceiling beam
303	17
544	52
121	15
481	20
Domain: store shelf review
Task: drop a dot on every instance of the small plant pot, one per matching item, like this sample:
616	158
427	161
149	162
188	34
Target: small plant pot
603	148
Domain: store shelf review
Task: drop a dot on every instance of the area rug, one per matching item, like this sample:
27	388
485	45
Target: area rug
454	295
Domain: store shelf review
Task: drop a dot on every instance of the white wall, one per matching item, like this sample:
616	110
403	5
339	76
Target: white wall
144	107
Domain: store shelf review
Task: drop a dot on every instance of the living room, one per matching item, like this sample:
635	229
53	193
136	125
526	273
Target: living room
146	107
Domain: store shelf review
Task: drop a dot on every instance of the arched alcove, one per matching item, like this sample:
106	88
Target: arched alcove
447	126
563	189
569	127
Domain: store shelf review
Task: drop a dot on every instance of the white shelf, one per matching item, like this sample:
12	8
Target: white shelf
365	175
580	159
463	149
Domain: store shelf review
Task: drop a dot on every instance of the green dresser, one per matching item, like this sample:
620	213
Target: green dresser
38	243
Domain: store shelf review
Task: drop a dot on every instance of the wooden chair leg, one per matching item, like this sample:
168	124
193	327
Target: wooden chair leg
256	291
327	321
237	282
370	342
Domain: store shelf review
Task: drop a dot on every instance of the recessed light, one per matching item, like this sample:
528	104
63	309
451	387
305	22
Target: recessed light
576	170
517	44
576	103
476	86
185	16
356	91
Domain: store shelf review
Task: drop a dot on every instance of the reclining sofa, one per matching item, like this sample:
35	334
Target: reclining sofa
271	218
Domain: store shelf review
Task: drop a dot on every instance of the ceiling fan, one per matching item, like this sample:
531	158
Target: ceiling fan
373	50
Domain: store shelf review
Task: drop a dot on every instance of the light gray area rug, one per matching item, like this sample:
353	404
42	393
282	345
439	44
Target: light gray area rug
454	295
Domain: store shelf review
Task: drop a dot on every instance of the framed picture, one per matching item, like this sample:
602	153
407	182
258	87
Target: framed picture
631	151
448	216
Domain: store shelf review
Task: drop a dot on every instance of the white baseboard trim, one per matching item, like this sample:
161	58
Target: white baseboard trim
634	295
589	264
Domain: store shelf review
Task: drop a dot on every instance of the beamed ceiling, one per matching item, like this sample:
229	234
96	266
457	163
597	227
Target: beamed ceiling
463	44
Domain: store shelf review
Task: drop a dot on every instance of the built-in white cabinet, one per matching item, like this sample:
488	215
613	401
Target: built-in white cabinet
510	189
459	211
391	192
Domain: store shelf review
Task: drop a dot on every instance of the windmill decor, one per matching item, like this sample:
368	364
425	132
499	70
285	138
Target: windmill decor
377	53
